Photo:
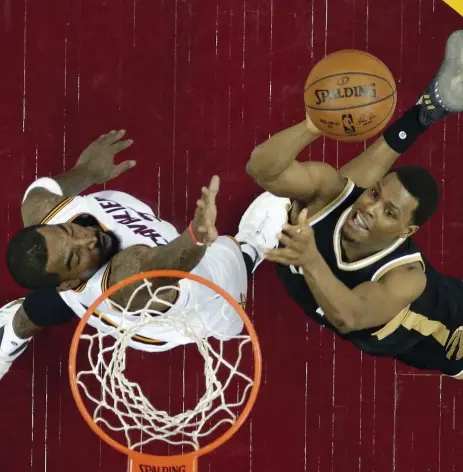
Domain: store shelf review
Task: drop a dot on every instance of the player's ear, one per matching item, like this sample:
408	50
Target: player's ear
410	230
68	285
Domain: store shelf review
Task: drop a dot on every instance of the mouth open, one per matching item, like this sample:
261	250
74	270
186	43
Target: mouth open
358	221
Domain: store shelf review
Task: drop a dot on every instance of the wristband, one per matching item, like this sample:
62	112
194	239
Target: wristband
193	236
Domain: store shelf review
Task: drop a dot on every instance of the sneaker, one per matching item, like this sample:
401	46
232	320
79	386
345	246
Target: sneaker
6	313
444	95
261	223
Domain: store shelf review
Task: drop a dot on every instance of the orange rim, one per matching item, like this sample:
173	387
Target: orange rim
191	456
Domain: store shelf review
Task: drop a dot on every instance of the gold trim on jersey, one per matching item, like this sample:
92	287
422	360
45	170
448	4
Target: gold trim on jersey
142	339
411	320
326	210
418	322
234	240
456	341
105	279
56	209
80	288
400	261
362	263
105	286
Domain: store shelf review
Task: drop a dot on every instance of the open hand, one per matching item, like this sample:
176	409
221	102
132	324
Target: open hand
299	241
206	213
98	158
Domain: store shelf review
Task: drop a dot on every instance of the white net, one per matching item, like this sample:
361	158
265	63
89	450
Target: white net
120	405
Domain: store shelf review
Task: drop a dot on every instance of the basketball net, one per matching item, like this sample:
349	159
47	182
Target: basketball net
119	406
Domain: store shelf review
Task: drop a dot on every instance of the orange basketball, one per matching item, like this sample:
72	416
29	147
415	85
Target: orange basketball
350	95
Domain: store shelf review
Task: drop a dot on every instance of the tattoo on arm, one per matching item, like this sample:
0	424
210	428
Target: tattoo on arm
37	205
41	201
180	254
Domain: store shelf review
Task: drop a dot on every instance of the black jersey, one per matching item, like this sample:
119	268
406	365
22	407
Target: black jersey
425	335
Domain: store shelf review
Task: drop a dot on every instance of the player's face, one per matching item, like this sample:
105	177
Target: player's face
382	213
76	252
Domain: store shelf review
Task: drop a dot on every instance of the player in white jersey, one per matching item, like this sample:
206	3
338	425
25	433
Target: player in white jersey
82	245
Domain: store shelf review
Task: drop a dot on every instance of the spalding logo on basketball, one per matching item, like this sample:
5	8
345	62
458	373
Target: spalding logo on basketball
350	95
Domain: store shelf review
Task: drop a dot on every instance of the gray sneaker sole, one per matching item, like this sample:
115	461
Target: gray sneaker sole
448	83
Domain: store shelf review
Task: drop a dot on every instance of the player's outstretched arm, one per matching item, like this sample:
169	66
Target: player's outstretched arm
274	167
94	166
442	97
183	253
372	165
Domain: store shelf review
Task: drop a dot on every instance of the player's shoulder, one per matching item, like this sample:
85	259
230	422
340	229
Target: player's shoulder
334	188
330	182
406	278
38	204
129	261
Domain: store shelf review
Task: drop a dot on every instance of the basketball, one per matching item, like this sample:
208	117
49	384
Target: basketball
350	95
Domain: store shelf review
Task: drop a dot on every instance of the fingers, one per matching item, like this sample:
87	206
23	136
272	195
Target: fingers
114	136
214	186
208	194
123	167
302	218
297	232
286	240
104	137
121	145
208	232
285	256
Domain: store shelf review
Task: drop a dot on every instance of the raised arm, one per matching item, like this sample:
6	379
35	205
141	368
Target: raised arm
183	253
94	166
372	165
273	166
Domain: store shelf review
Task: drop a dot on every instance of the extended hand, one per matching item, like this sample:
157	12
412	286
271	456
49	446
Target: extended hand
206	213
98	158
299	241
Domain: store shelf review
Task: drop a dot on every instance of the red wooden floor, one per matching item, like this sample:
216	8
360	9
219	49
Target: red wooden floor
198	83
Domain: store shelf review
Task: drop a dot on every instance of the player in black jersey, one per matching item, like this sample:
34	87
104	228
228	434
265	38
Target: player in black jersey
345	253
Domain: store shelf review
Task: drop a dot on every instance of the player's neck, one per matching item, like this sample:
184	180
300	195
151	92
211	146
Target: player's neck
353	251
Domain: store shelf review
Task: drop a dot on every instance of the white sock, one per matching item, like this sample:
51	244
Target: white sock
10	343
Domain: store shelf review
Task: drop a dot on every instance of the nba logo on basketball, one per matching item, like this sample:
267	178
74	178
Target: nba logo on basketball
155	468
343	89
348	124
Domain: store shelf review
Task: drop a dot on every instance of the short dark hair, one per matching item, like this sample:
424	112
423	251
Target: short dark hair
27	257
423	186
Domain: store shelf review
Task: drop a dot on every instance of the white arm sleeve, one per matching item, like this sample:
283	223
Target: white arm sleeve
47	183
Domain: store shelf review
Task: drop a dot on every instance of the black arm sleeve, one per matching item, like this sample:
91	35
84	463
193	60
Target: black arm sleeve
46	308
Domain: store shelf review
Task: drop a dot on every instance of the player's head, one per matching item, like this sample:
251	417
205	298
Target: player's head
395	207
60	256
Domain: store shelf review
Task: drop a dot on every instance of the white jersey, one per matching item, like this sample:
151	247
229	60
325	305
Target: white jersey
135	223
